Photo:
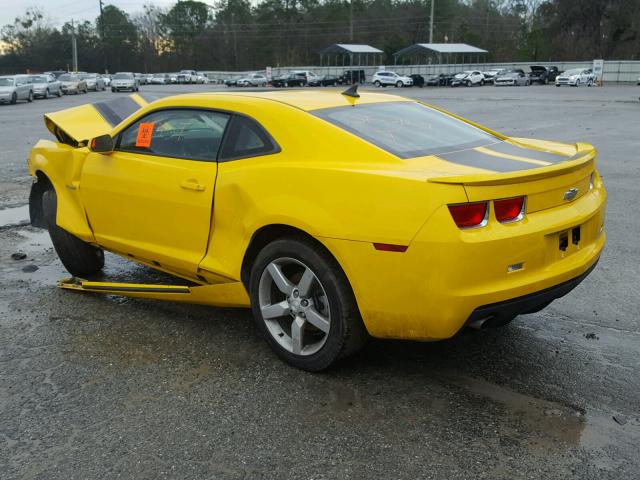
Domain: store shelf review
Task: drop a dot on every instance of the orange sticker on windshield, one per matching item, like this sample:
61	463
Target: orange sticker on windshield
145	134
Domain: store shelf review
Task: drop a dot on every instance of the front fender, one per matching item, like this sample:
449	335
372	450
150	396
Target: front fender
60	165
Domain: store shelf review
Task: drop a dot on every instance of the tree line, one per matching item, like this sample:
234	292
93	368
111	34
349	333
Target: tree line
236	35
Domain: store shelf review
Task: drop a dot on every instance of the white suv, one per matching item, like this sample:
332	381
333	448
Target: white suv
382	79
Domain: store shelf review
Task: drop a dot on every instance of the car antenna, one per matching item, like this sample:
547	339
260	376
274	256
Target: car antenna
352	91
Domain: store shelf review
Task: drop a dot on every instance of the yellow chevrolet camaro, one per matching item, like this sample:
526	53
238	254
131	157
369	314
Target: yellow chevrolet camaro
334	216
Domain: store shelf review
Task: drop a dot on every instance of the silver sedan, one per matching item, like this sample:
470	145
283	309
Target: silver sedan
45	86
14	88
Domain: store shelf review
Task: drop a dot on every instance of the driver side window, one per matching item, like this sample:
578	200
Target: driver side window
176	133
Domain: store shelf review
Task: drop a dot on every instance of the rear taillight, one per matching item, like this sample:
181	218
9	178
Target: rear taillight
470	215
509	209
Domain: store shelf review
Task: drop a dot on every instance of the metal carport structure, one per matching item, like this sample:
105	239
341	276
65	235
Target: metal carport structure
356	54
438	51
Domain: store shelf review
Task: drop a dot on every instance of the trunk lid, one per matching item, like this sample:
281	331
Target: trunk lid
75	126
545	182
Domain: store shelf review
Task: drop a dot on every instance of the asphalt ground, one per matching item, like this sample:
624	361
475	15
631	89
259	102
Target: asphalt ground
106	387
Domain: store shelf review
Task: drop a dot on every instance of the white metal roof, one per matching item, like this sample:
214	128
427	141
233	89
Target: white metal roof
350	48
440	48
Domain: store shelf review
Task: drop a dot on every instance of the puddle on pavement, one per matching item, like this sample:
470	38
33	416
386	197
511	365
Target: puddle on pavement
14	216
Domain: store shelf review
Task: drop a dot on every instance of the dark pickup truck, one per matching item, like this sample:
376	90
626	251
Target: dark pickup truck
543	75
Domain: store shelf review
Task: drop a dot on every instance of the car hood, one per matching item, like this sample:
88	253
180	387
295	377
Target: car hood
78	124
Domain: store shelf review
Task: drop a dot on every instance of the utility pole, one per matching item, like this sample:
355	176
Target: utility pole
74	47
431	23
351	20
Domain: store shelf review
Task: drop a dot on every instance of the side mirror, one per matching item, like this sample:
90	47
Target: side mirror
102	144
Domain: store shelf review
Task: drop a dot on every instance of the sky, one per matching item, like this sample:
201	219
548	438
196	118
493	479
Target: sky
60	11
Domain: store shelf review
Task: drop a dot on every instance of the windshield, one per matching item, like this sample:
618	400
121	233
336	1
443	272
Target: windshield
123	76
38	79
406	129
6	82
88	76
68	78
575	71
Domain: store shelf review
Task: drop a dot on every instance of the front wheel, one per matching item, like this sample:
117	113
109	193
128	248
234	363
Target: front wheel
398	84
78	257
30	97
303	304
47	93
482	83
468	84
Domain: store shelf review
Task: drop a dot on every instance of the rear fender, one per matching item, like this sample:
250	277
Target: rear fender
60	165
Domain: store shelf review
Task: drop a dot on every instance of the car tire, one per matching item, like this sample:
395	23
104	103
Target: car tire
30	97
482	83
467	83
113	90
59	93
546	81
376	84
14	98
399	84
47	93
329	301
79	258
577	83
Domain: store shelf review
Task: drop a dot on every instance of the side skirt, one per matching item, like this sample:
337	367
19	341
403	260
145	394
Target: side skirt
231	294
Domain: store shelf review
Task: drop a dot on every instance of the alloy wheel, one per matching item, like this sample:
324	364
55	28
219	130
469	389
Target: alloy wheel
294	306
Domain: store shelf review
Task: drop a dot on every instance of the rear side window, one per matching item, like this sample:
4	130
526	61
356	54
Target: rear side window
188	134
407	129
246	138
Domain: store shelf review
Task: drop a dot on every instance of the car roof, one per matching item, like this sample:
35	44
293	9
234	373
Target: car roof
304	100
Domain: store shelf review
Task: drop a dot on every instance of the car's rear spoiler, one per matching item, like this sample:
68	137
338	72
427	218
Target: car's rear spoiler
74	126
585	155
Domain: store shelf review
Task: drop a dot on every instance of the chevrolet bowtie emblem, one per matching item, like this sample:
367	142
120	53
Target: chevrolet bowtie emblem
570	194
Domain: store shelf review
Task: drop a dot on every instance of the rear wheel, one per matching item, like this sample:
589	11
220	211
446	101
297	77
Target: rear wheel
303	304
376	83
468	83
78	257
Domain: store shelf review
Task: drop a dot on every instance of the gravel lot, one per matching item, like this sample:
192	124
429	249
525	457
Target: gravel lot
105	387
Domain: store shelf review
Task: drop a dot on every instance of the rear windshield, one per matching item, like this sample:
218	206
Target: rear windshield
68	78
38	79
407	129
121	76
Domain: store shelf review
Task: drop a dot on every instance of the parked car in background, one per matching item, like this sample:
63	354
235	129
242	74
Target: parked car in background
14	88
107	80
55	73
124	81
72	83
387	78
514	78
418	80
253	80
309	76
232	82
542	74
45	86
324	81
201	78
349	77
490	75
439	80
187	76
94	81
468	78
140	78
574	78
173	77
161	79
290	79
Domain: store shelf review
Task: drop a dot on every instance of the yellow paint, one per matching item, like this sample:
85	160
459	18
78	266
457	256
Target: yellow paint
488	151
341	190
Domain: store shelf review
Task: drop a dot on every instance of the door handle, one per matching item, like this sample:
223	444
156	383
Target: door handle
192	184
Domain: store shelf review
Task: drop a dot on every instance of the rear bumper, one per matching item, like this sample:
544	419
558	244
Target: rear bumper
530	303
